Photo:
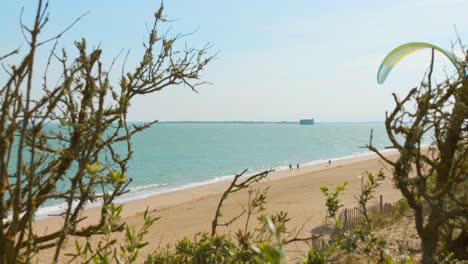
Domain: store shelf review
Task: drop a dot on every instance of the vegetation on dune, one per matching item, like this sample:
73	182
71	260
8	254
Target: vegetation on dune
79	162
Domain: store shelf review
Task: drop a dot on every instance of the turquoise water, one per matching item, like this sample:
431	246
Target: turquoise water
171	156
176	154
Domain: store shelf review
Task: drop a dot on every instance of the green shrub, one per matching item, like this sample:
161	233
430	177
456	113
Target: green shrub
316	256
402	206
205	249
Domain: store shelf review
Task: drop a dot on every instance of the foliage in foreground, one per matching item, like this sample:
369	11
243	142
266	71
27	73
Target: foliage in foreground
67	138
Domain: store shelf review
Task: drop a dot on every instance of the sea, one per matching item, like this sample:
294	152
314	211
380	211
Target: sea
172	156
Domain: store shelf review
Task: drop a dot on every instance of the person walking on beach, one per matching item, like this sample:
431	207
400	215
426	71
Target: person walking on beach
290	167
297	166
329	163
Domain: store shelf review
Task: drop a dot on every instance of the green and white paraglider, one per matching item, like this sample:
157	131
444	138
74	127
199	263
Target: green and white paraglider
402	51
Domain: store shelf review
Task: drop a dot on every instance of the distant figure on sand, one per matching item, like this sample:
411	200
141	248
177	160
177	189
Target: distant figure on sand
329	163
290	167
297	166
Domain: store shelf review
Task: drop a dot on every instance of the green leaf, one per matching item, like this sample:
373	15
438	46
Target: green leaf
324	188
77	246
339	224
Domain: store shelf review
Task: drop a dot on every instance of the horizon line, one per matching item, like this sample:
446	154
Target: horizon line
250	121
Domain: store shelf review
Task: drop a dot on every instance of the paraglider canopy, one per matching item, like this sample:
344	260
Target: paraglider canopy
402	51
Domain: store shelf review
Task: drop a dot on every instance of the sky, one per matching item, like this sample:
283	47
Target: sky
277	60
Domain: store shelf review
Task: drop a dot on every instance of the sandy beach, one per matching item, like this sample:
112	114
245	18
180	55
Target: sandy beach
190	211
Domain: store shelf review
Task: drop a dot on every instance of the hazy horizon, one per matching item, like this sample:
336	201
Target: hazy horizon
254	121
278	61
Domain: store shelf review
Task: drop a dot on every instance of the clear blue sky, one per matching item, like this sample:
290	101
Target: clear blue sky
278	60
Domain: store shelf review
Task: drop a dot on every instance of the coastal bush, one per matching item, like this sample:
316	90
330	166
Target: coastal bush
208	249
402	206
71	142
317	255
205	249
433	181
107	249
360	241
332	201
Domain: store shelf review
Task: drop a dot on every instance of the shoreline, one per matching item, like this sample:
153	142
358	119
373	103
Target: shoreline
143	192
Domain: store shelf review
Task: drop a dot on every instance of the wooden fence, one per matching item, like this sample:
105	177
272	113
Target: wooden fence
350	218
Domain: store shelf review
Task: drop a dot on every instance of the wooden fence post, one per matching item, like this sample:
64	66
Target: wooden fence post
345	218
381	203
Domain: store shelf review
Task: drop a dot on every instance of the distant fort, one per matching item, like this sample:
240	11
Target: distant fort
306	121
